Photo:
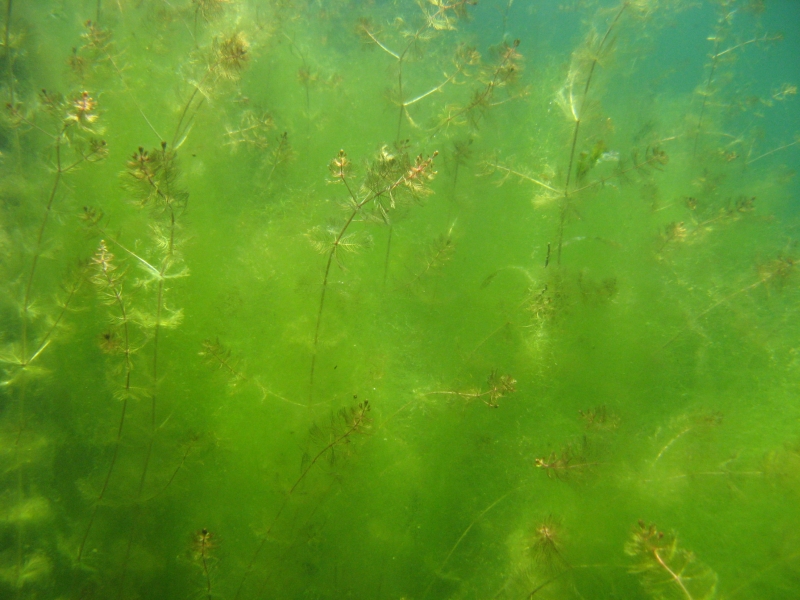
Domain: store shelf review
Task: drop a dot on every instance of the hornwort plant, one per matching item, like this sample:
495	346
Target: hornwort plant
72	136
491	79
439	16
667	570
720	55
570	462
203	546
225	61
574	100
346	424
499	386
109	282
392	178
152	180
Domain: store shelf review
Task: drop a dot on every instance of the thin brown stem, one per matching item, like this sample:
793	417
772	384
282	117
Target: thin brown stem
26	304
103	261
414	173
357	423
166	195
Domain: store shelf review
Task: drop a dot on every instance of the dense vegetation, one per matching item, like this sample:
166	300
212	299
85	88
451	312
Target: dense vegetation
383	299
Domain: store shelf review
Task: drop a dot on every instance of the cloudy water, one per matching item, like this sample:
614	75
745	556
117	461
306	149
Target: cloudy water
399	300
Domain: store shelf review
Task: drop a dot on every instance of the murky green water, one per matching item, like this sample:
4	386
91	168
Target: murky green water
391	300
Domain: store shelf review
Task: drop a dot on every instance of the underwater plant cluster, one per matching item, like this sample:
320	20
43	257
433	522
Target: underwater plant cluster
385	299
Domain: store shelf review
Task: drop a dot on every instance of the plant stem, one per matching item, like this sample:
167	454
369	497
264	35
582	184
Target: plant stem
167	261
356	205
358	421
578	117
116	289
26	304
462	536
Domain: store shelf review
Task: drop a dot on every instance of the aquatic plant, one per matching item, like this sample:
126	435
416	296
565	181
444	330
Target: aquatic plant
772	272
438	17
499	386
217	356
667	570
343	426
203	547
225	60
70	127
116	341
724	50
639	284
574	100
570	462
391	179
545	544
9	52
439	253
491	79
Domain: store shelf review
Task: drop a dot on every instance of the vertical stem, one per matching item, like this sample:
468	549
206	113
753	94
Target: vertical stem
400	63
37	250
359	418
127	386
205	566
675	577
167	197
188	105
26	303
356	210
20	494
573	146
505	18
316	328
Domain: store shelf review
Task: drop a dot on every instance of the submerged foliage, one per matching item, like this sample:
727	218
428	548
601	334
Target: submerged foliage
431	299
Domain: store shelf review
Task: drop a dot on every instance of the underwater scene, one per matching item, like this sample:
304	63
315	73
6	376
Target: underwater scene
396	299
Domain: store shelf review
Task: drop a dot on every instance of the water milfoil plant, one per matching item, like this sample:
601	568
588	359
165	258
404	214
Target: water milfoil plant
392	178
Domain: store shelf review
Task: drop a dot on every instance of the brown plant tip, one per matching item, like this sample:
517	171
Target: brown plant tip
545	543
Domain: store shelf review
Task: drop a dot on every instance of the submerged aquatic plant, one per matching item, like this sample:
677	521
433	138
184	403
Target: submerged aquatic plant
203	546
225	61
545	544
492	79
70	126
346	424
109	282
99	456
217	356
152	179
499	386
392	178
724	50
570	462
439	253
665	569
440	16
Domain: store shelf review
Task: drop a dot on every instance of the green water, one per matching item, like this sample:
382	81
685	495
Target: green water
360	299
